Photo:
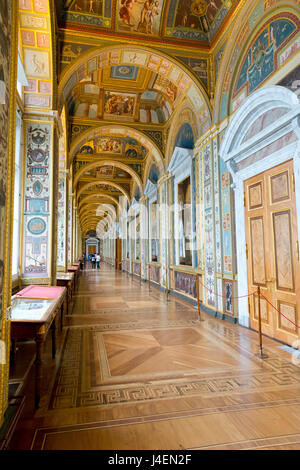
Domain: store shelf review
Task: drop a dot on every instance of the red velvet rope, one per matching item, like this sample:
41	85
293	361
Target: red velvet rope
248	295
297	326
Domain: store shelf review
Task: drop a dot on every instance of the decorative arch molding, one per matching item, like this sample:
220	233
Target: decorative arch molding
98	196
263	133
104	206
239	37
95	211
167	67
90	220
120	131
103	183
184	114
113	163
149	162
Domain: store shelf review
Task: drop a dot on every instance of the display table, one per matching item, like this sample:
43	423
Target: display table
33	313
66	280
74	269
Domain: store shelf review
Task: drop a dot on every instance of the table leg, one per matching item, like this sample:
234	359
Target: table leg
13	351
53	328
38	369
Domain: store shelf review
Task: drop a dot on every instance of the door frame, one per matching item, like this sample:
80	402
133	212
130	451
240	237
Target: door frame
247	158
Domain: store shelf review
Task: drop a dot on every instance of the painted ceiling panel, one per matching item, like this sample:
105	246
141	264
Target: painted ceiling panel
172	20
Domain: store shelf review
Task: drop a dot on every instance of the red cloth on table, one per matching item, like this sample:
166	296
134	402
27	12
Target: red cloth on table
40	292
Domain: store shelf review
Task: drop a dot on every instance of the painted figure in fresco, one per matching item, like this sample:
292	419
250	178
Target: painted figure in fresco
125	11
91	2
148	4
151	13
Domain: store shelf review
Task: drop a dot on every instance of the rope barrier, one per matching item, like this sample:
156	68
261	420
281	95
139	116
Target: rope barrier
224	296
297	326
249	295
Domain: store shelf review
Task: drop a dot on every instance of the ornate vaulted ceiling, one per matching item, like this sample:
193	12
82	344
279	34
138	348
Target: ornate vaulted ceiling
126	68
168	20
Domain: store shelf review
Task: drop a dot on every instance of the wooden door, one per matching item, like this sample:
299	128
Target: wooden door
273	251
91	249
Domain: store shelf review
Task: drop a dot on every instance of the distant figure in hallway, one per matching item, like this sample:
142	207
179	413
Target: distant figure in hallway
93	261
98	260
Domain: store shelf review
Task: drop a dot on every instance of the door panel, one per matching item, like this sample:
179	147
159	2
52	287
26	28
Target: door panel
272	251
258	250
283	251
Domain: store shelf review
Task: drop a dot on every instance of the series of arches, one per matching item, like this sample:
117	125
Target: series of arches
197	108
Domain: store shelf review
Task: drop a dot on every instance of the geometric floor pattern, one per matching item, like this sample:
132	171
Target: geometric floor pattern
134	371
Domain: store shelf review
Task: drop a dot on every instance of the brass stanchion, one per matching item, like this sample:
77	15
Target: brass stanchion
261	355
198	298
140	272
149	277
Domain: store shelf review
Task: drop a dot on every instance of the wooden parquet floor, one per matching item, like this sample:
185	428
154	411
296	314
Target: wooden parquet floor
134	371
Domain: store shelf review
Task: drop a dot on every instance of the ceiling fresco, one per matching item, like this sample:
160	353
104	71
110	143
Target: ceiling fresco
120	147
149	97
107	83
171	20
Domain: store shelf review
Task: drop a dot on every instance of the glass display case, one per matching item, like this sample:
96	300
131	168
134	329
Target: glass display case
29	309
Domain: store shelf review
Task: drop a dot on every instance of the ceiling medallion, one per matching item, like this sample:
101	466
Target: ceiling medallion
199	7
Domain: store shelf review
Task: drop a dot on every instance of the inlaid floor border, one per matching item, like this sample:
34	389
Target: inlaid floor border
40	434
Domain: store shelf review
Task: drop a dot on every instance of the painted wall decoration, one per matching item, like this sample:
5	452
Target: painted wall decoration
137	168
185	283
94	13
199	66
228	293
61	221
157	136
167	87
154	274
36	200
70	52
218	58
154	173
273	45
209	225
226	218
185	137
35	48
